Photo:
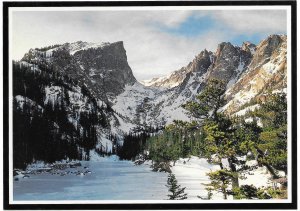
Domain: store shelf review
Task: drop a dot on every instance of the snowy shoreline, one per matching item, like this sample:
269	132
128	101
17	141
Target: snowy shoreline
190	173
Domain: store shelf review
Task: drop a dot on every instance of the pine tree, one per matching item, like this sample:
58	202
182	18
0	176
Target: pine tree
272	143
177	193
220	181
218	131
209	101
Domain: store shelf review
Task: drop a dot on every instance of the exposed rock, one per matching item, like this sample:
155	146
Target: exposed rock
199	65
230	62
102	68
266	72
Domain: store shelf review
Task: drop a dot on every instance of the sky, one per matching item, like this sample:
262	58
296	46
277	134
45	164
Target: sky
157	42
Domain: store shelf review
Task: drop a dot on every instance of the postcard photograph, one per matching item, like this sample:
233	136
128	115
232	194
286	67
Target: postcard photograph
123	104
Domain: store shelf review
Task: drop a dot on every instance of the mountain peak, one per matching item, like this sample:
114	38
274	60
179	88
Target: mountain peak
223	46
248	47
248	44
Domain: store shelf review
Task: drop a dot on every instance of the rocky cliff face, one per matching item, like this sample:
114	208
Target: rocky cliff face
103	68
230	61
267	72
226	64
107	68
199	65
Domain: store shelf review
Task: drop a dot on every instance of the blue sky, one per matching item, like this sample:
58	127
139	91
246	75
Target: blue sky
194	26
157	42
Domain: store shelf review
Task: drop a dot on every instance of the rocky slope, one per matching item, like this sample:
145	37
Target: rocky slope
266	73
200	64
249	71
164	106
103	68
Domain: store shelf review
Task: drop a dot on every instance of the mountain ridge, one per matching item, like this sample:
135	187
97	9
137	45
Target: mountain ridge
81	81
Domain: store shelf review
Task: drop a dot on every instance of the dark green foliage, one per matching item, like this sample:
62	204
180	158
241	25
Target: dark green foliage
248	135
209	100
274	136
179	139
220	137
251	192
246	192
177	193
220	180
133	144
37	138
269	143
217	136
219	131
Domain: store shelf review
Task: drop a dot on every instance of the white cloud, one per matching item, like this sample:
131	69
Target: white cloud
150	51
257	21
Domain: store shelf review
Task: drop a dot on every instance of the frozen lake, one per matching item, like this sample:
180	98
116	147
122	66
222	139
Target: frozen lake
112	179
109	180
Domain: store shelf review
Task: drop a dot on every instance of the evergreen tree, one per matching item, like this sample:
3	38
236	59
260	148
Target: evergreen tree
220	181
218	131
271	145
208	102
177	193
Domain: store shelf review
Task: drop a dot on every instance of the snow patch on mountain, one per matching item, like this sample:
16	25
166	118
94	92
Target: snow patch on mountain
21	101
126	103
78	101
78	46
163	82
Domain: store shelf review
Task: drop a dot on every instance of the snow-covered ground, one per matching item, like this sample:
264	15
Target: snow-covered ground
192	174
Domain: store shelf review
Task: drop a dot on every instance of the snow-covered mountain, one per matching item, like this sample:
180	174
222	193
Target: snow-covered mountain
91	78
250	73
227	64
